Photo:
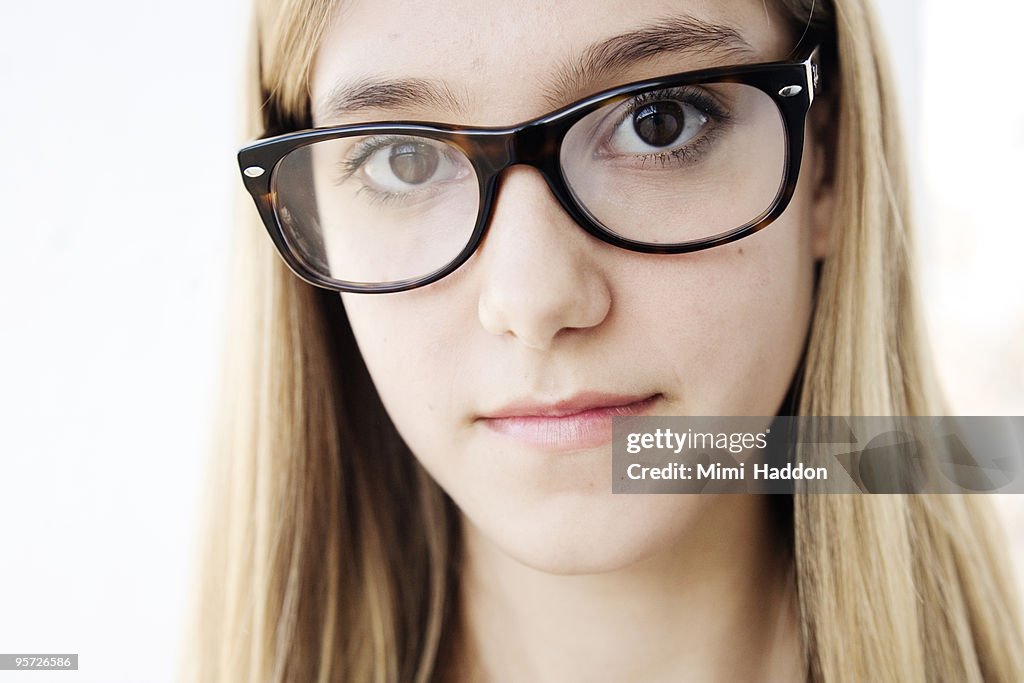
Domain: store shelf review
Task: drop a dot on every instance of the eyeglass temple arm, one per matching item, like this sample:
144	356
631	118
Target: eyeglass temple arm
813	76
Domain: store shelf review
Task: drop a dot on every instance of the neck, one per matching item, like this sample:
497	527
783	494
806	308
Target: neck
718	605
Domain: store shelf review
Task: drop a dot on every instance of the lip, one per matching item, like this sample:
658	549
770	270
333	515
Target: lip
582	421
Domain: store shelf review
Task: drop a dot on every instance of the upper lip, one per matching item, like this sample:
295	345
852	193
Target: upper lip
573	405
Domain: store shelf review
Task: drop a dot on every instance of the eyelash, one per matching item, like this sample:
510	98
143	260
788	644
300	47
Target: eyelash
363	151
701	100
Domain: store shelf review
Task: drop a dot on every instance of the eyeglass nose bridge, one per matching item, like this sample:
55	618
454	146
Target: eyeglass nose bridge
536	144
533	144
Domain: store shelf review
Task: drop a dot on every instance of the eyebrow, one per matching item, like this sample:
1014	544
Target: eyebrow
676	35
402	94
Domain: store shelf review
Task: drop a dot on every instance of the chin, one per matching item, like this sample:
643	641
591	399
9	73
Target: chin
577	534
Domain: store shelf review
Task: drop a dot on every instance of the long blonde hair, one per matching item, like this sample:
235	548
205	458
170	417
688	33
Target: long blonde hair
330	553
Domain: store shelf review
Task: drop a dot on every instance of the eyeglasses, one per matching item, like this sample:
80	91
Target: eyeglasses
662	166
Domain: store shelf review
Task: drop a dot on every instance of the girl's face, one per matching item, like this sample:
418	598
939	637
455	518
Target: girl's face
502	376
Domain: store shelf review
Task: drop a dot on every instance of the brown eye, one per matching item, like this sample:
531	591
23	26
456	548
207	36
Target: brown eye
404	167
658	124
413	162
662	123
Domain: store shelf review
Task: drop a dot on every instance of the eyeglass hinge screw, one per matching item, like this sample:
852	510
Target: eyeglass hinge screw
253	172
790	90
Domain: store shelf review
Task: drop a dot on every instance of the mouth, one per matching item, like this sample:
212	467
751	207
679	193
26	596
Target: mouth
583	421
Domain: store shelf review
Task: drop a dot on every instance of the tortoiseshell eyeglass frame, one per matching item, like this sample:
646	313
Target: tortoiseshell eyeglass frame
792	85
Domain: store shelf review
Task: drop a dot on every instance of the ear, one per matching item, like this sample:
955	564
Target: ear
822	135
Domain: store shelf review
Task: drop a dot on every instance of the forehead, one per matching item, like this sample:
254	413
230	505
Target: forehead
501	61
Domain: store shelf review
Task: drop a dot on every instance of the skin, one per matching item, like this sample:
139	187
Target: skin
563	580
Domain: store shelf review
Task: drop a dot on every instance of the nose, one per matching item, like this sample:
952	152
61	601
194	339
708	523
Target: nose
539	274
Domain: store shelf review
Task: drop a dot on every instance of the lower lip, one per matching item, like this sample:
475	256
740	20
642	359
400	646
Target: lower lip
586	429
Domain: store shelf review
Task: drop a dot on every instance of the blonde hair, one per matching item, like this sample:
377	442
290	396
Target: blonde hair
330	553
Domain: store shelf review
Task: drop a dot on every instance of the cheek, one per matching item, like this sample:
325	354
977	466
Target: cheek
412	348
729	323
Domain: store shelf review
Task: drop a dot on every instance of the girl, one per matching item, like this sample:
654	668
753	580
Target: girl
540	216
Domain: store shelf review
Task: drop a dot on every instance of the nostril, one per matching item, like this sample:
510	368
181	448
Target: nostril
538	274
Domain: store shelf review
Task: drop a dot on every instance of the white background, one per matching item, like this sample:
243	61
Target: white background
118	127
